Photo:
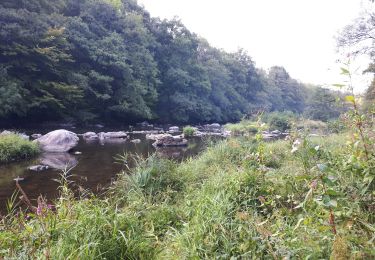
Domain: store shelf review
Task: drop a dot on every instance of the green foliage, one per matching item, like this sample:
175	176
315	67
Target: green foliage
243	127
324	105
13	147
280	120
336	126
189	131
108	60
241	198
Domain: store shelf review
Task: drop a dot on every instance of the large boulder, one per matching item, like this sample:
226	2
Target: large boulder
169	140
58	141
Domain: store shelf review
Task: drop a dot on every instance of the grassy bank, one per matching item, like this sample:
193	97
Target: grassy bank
241	198
13	148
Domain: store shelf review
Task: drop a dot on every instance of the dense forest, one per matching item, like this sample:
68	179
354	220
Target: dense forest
108	60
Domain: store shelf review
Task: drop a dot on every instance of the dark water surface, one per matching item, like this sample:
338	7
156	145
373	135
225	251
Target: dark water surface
96	166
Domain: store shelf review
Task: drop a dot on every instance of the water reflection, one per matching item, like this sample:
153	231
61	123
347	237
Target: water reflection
94	167
58	161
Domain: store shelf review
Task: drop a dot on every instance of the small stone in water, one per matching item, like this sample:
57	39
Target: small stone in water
38	168
77	153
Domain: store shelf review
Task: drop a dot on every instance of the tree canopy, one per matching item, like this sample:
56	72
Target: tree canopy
109	60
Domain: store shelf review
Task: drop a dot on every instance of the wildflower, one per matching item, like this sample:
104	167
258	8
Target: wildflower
39	209
313	184
295	146
262	199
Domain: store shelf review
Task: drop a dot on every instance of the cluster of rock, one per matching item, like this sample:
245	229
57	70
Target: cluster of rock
215	127
57	144
273	135
167	140
92	136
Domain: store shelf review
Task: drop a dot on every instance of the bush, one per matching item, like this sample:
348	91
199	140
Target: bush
241	198
245	126
280	120
188	131
312	125
336	126
13	147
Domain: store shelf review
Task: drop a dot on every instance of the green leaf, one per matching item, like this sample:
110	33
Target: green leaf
332	192
329	181
328	202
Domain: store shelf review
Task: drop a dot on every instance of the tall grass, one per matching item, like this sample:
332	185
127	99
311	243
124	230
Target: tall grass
229	202
13	147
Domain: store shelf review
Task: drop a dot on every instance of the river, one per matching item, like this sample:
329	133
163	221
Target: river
95	166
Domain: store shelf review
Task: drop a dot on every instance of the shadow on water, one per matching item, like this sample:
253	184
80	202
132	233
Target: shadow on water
94	166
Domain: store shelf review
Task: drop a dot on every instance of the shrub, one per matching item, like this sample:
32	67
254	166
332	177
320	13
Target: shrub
280	120
188	131
245	126
313	125
336	126
13	147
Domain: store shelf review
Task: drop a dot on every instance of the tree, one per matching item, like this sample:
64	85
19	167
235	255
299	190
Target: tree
323	105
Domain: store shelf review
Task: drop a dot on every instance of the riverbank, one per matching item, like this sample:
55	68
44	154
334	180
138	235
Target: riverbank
241	197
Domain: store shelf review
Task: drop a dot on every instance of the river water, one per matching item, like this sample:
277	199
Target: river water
95	166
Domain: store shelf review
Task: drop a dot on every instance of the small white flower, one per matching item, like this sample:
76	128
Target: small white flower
295	146
294	149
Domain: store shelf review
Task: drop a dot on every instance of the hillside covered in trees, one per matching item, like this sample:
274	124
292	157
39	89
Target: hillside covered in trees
108	60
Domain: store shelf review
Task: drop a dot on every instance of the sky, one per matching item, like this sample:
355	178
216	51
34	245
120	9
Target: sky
296	34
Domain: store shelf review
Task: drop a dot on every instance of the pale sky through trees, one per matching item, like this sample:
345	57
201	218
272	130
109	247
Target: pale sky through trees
297	34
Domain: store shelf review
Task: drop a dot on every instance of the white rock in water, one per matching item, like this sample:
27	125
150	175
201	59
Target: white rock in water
58	141
156	136
136	141
38	168
174	129
215	125
90	136
112	135
120	134
171	141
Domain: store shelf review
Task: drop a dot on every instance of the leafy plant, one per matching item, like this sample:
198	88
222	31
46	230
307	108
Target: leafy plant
13	147
189	131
